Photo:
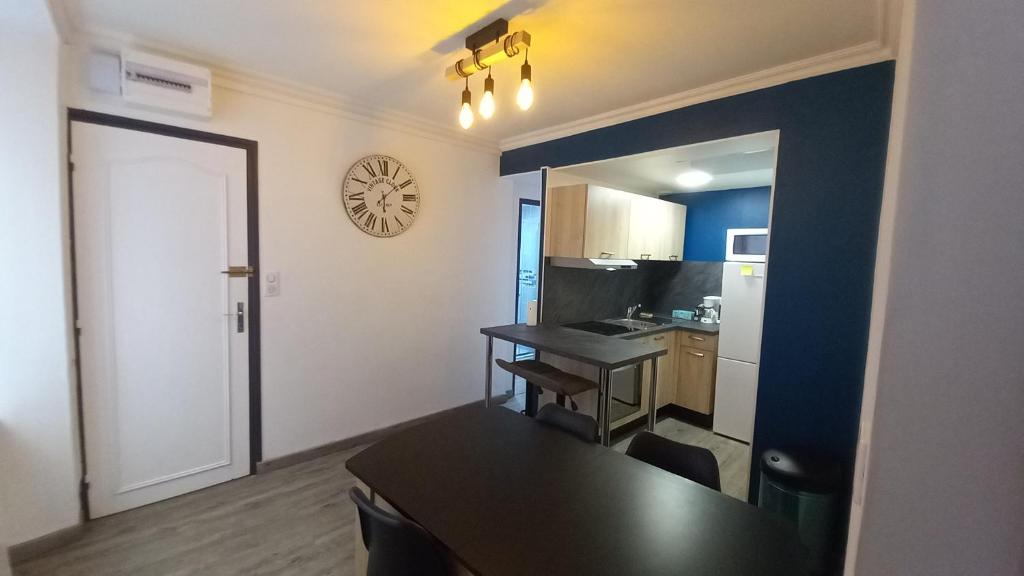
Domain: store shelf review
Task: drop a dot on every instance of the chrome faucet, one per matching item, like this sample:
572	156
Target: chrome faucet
631	310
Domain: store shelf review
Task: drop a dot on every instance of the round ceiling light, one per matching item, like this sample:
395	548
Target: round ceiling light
694	178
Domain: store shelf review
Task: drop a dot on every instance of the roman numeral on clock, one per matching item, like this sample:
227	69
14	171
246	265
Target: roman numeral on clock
408	197
358	209
371	219
383	165
400	225
407	210
369	170
406	183
384	225
357	196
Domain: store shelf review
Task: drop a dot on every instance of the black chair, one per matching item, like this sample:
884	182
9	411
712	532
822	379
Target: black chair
579	425
396	546
690	462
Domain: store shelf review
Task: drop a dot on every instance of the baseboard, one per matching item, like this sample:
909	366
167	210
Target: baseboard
358	440
686	415
36	547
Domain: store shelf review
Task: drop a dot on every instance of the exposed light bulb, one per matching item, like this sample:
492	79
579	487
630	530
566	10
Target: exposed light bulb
524	98
466	114
694	178
487	102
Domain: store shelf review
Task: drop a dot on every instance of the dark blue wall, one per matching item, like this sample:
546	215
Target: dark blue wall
710	214
828	190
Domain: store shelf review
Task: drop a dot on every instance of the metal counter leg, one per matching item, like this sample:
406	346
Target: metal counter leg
487	373
652	403
604	381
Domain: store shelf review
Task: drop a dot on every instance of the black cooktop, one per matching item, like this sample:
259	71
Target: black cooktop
602	328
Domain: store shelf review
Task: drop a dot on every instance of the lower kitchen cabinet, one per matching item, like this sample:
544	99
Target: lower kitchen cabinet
666	368
695	378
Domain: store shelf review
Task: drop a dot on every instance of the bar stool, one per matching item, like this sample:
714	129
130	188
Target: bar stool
538	373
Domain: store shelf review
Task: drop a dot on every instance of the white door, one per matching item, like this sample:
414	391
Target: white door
164	353
739	336
735	399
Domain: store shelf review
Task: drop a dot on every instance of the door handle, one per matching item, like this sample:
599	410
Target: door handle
697	354
239	272
239	315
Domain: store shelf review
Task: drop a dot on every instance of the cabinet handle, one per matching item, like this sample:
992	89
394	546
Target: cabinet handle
656	338
610	254
697	354
673	257
645	256
697	338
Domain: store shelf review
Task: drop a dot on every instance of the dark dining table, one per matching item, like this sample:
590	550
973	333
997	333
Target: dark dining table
507	495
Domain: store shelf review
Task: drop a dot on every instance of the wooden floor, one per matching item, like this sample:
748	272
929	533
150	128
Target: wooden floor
293	521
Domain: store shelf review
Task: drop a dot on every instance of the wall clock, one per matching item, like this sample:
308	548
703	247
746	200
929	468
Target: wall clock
381	196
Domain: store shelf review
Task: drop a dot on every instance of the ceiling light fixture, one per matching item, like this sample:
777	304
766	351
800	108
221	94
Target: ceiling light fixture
487	102
490	45
466	113
694	178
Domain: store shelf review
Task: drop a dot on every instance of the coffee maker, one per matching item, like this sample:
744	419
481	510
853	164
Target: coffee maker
710	310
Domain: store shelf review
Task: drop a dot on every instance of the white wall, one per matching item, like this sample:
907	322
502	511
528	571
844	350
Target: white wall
367	332
38	472
945	484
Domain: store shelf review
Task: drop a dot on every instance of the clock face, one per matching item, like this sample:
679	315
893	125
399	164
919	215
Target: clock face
381	196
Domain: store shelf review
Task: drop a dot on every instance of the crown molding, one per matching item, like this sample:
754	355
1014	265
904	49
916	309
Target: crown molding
859	55
236	79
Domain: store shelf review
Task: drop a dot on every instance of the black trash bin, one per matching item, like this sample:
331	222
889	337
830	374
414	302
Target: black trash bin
805	491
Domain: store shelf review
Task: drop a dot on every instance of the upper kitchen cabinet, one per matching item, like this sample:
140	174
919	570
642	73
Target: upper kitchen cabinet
656	229
674	232
586	221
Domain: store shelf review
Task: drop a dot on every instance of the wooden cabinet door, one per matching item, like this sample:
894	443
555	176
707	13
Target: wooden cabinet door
565	221
666	368
695	373
645	228
673	231
607	223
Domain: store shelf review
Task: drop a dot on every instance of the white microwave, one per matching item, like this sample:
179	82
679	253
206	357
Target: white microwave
746	244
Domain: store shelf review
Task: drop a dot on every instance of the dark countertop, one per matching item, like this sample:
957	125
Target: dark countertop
594	349
670	324
576	508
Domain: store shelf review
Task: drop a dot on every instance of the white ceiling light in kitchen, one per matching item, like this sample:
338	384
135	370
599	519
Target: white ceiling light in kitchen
694	178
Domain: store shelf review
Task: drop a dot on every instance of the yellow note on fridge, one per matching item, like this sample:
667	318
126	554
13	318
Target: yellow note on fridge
746	270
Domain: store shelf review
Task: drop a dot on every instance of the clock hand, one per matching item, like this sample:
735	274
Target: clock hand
385	195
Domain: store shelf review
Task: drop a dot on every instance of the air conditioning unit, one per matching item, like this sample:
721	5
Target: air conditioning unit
159	83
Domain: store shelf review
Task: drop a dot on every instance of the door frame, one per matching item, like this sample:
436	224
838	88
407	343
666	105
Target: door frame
540	263
251	148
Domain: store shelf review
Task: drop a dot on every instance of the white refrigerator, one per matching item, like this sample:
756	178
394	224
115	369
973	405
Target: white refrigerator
739	349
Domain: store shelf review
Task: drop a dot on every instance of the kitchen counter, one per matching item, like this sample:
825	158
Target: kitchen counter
672	324
593	349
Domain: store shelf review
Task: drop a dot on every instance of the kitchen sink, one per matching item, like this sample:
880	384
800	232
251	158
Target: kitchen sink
632	324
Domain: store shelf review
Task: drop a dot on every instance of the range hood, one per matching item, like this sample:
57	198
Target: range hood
593	263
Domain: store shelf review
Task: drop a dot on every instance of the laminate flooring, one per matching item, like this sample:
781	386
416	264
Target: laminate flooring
292	521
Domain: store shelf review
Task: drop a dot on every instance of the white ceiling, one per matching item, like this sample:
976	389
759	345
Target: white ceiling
589	56
743	162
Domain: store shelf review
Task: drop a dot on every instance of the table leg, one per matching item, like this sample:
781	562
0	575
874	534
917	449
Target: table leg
488	374
604	385
532	399
652	404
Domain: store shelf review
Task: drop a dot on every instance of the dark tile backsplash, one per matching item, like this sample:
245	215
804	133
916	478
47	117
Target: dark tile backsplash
576	295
